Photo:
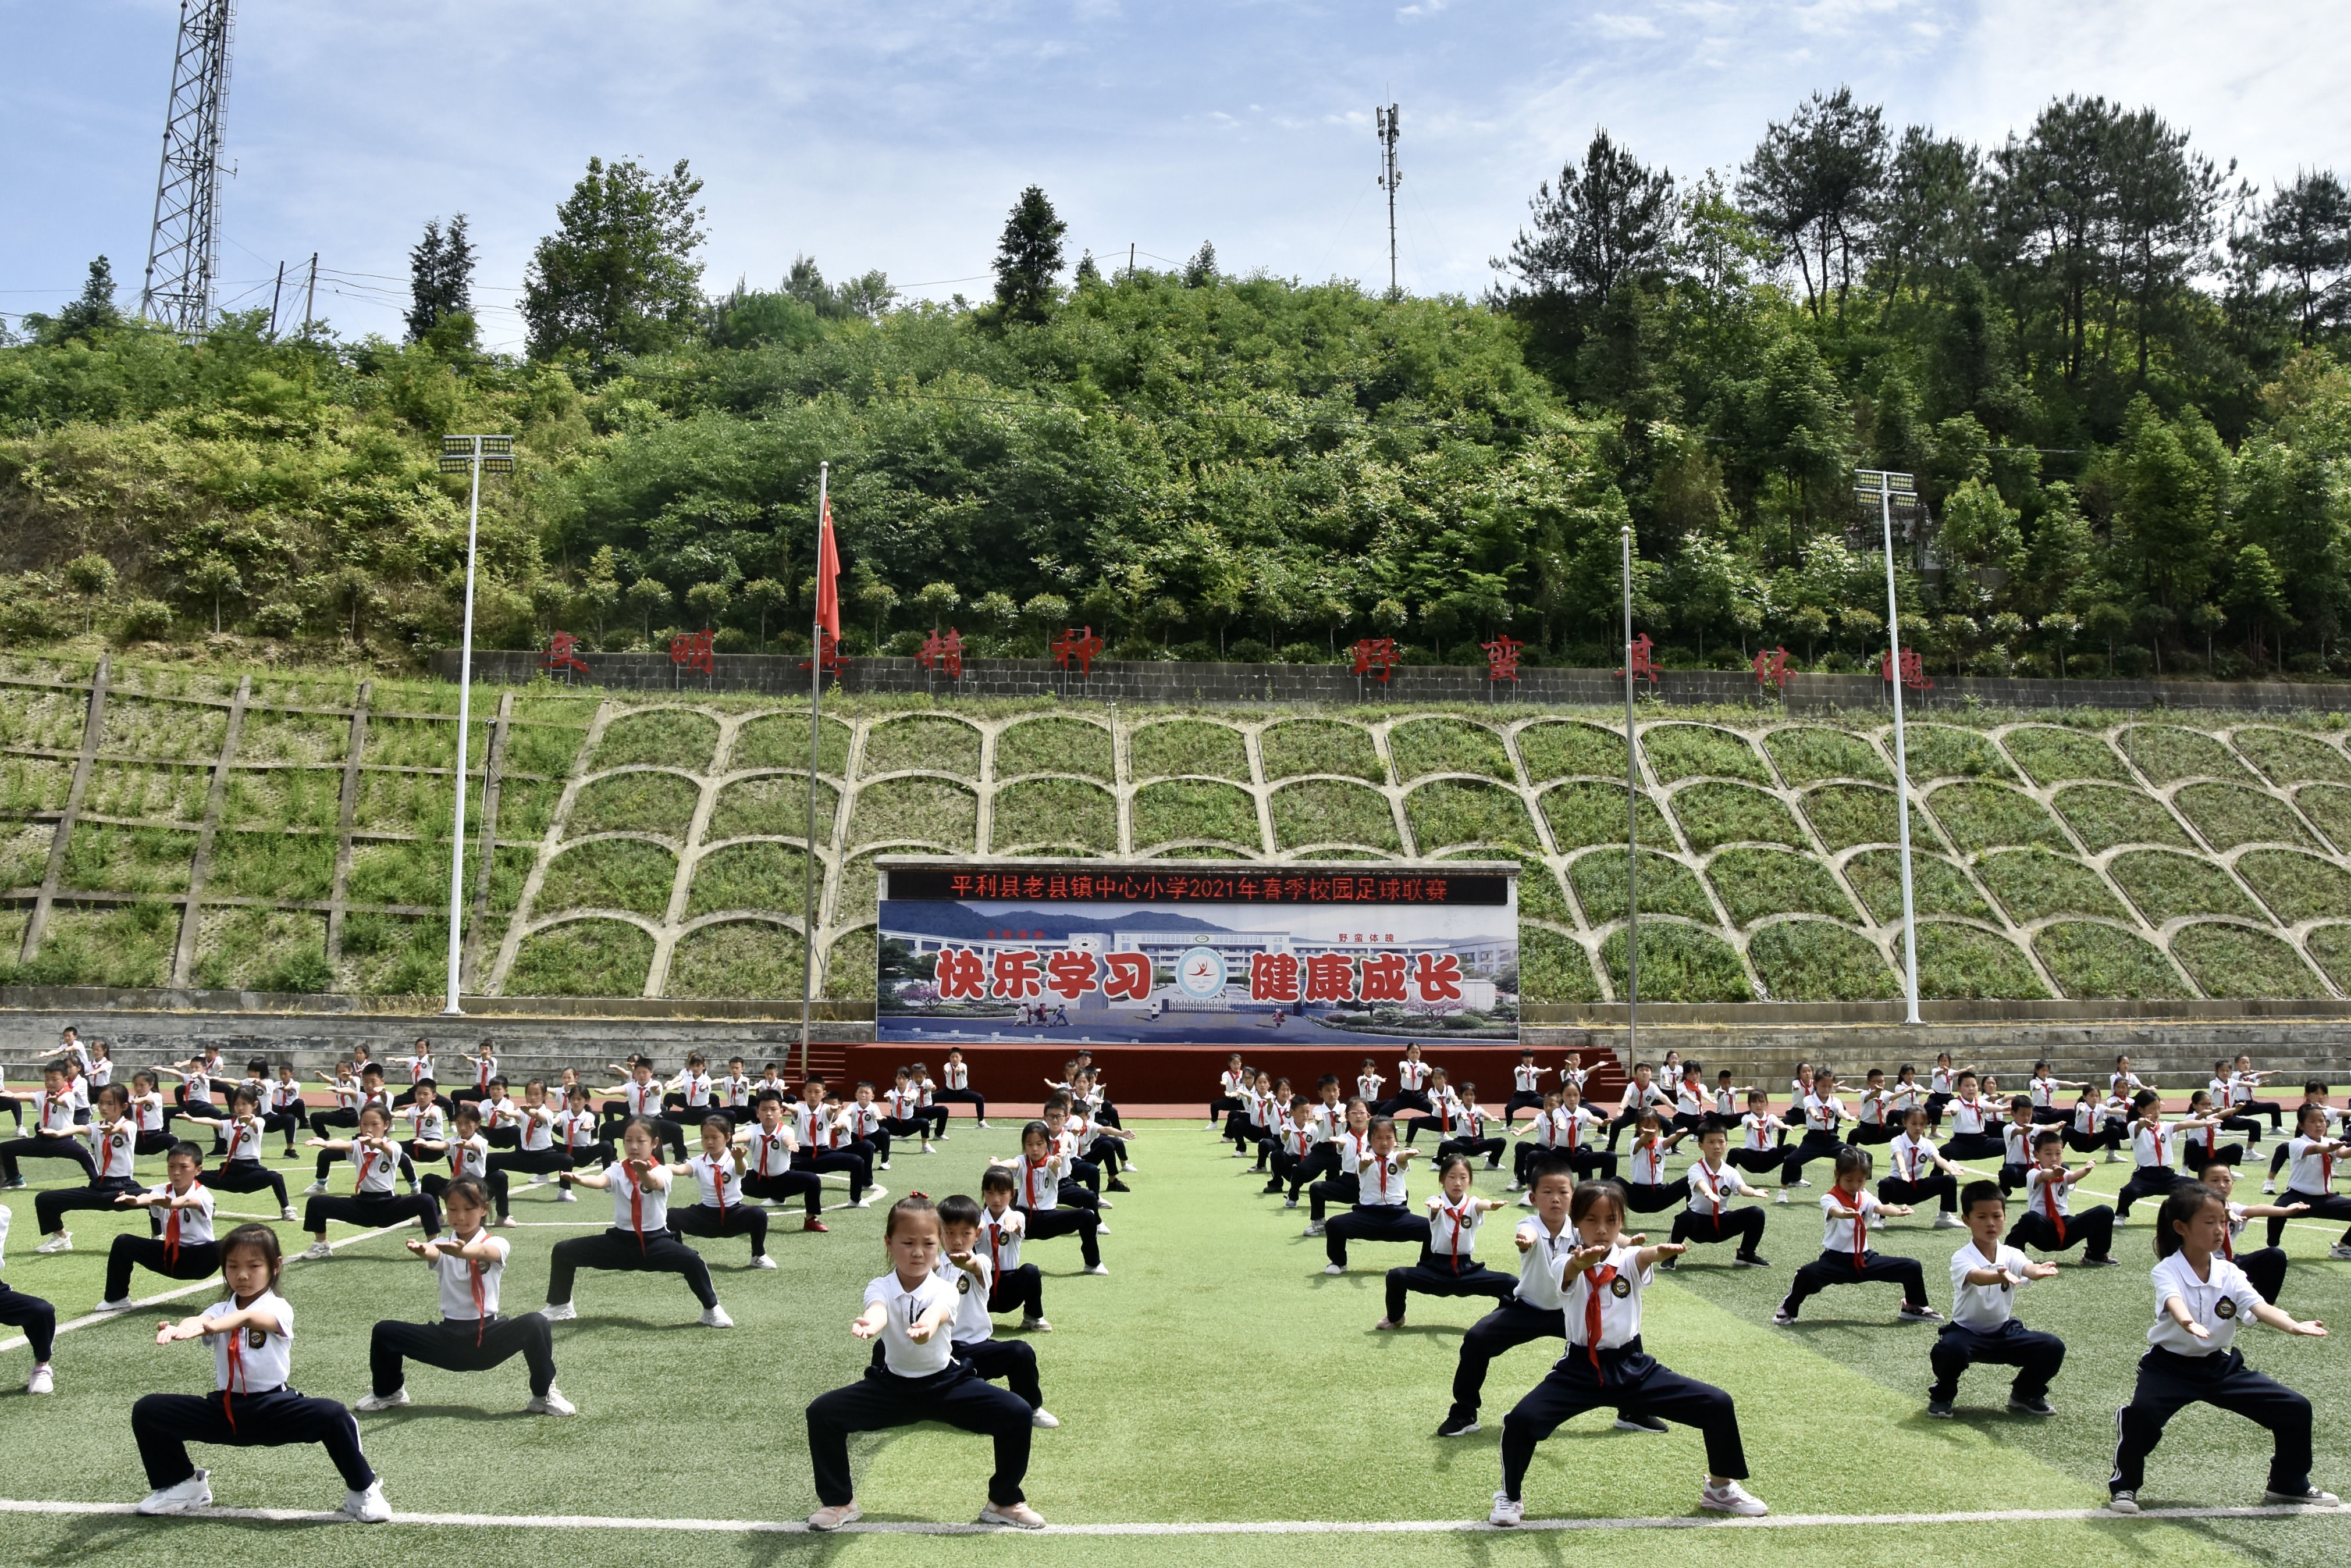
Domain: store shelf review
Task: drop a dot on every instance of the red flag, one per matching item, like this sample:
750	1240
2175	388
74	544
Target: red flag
827	577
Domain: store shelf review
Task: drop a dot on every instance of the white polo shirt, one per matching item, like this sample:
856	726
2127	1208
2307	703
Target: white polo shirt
258	1361
907	1308
1985	1308
2221	1303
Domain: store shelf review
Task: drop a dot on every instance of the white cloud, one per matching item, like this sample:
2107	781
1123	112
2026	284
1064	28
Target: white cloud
1613	25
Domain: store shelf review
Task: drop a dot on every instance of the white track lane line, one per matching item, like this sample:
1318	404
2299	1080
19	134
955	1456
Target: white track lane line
1265	1527
207	1283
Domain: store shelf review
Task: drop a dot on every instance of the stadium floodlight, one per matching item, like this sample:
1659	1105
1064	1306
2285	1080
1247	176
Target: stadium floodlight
472	455
1885	485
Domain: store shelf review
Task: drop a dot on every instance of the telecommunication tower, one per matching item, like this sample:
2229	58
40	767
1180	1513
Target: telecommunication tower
1390	178
184	246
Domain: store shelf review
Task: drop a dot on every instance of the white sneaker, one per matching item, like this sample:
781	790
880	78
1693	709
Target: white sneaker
882	1165
1101	1230
716	1317
1947	1220
1035	1325
2123	1502
928	1149
372	1401
60	1242
552	1403
1099	1269
44	1380
1511	1186
982	1125
2338	1251
315	1189
554	1313
1878	1221
1044	1418
369	1507
536	1181
1334	1268
834	1518
505	1222
2309	1497
180	1498
119	1304
1105	1204
1314	1227
1529	1201
1781	1196
567	1196
1508	1512
763	1262
2268	1188
1731	1498
317	1251
1019	1515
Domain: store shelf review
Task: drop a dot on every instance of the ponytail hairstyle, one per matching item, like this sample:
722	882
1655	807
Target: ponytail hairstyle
2183	1203
913	1208
1850	1158
470	1189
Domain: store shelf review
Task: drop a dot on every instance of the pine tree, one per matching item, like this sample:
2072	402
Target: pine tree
94	311
1029	257
440	276
1088	273
1201	270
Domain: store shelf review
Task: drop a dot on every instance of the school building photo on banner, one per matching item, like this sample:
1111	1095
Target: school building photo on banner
1196	953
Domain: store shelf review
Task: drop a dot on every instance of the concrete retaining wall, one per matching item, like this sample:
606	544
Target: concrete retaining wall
1128	680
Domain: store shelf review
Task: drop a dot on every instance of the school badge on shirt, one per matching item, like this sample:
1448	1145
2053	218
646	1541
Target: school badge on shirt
1620	1287
255	1339
2226	1309
963	1284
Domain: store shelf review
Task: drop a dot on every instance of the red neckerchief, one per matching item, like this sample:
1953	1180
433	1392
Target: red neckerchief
235	1371
367	1163
718	1168
1032	1169
1594	1279
1575	1131
768	1143
482	1072
1853	1207
636	1204
171	1228
481	1296
2048	1194
1711	1180
2228	1238
1453	1215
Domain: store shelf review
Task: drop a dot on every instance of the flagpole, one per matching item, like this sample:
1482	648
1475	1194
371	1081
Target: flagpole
1631	835
816	713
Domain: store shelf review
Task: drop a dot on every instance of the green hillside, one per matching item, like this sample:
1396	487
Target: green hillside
655	847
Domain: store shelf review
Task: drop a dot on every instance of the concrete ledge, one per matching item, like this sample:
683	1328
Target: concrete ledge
99	999
1178	682
1787	1015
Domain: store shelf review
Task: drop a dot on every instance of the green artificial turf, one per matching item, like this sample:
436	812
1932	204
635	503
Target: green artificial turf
1216	1375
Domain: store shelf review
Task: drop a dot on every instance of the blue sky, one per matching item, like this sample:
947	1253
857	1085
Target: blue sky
895	134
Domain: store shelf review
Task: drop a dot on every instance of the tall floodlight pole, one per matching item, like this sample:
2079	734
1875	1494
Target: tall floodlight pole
1885	485
466	454
1386	120
184	236
1632	835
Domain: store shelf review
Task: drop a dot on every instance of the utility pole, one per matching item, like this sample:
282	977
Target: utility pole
274	294
1130	258
310	299
1390	178
184	239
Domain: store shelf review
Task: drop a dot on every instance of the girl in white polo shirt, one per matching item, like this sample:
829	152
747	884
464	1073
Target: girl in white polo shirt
1606	1366
471	1336
724	1208
912	1310
251	1333
640	1239
1449	1265
1382	1210
181	1247
2200	1300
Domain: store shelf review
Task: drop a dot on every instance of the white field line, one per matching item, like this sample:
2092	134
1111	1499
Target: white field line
1261	1527
194	1288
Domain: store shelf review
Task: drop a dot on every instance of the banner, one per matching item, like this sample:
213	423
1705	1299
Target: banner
1195	952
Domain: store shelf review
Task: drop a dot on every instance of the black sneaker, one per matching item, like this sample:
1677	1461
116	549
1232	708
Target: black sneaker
1636	1421
2038	1405
1939	1408
1118	1186
1454	1426
1918	1314
1748	1260
2308	1497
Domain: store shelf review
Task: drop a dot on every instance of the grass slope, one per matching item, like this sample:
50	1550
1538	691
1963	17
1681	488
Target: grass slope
1216	1375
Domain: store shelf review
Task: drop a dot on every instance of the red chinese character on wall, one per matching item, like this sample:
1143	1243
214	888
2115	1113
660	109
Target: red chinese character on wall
1914	672
942	653
1375	656
828	658
1384	976
1644	665
1274	977
1081	645
1436	977
1771	666
1015	976
1329	977
1126	976
960	974
1503	658
692	649
1070	973
563	653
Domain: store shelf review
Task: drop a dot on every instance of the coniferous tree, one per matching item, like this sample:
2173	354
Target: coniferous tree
440	276
1029	257
94	311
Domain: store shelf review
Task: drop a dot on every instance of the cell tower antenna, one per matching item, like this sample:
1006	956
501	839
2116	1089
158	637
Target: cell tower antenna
1390	178
184	246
